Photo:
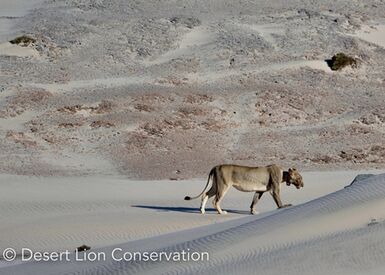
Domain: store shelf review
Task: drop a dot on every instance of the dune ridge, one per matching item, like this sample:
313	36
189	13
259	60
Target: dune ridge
270	243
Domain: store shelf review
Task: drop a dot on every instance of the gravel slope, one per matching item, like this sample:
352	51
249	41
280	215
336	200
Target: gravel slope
145	89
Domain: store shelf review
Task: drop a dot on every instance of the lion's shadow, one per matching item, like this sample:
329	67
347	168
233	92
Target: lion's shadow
187	209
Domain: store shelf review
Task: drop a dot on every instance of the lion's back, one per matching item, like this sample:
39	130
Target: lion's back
245	175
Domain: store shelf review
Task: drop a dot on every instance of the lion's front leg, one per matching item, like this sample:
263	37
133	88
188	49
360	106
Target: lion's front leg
277	198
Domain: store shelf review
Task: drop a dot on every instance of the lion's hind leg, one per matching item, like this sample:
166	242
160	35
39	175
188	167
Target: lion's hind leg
206	197
218	198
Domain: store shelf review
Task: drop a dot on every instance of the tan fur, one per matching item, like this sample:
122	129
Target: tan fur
248	179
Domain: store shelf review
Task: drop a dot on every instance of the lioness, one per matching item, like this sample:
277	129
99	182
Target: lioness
248	179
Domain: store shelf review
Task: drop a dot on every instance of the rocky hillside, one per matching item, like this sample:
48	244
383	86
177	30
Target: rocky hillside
167	89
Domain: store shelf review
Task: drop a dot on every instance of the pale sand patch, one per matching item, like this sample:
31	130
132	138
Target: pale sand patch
9	49
6	24
16	123
267	31
89	83
314	64
17	8
373	34
212	76
10	12
197	37
188	44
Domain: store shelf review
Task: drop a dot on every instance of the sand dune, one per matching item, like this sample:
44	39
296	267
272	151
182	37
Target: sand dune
111	93
311	232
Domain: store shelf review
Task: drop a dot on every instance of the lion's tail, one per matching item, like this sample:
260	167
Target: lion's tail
211	174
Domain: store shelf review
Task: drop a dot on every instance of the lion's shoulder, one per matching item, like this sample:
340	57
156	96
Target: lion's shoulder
275	172
274	167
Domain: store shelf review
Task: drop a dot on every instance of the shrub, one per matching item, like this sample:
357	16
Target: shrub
341	60
23	40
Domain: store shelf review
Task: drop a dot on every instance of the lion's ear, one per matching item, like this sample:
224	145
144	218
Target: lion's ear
290	170
294	169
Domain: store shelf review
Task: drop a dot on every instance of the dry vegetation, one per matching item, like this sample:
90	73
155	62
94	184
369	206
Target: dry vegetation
23	40
22	100
340	61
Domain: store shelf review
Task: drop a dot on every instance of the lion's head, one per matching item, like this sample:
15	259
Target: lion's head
294	178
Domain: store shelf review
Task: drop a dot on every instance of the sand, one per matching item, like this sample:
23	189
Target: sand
177	82
10	13
374	34
55	214
119	109
9	49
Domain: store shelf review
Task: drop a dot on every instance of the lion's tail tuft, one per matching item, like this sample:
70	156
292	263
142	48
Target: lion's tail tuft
187	198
